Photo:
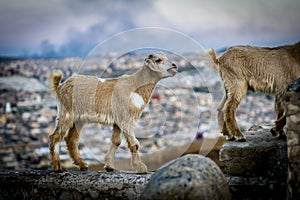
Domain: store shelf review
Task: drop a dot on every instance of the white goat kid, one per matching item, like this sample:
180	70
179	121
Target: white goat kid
118	102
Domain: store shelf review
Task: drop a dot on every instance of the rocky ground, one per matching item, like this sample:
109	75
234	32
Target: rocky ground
180	111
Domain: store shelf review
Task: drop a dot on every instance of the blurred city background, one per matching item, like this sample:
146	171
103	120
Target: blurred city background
179	110
37	37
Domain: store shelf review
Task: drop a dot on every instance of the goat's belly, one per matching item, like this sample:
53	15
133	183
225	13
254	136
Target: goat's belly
261	86
96	118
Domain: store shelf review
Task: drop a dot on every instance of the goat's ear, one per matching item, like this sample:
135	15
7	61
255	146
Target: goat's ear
151	56
151	64
148	61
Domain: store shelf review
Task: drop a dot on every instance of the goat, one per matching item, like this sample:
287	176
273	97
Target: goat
118	102
250	68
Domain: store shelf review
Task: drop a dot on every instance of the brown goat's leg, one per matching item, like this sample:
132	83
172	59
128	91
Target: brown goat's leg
221	123
279	124
281	119
72	146
230	108
63	124
133	145
55	139
116	141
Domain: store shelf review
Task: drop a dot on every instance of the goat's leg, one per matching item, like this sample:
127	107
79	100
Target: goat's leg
62	126
116	141
279	124
133	145
230	108
221	123
55	138
281	119
72	146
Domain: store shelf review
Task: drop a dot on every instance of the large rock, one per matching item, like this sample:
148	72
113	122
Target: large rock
188	177
260	156
292	104
257	168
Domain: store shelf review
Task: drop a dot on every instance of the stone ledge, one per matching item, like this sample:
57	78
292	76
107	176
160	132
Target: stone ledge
292	106
262	155
252	169
257	168
256	188
46	184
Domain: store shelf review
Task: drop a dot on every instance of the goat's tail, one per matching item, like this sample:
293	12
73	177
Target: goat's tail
55	78
210	59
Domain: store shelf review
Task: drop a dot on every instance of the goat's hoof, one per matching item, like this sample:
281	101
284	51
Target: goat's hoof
57	168
273	131
231	138
241	139
142	169
282	137
83	168
109	169
142	172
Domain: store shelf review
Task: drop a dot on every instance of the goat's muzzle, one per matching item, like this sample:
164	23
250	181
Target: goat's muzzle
173	70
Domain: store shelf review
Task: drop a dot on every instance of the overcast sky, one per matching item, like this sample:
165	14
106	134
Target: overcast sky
74	27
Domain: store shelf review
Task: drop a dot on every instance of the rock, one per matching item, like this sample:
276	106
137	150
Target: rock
257	168
262	155
292	105
188	177
294	86
43	184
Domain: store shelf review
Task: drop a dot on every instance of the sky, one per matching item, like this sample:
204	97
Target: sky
74	27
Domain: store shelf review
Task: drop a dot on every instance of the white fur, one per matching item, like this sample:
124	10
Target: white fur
106	119
96	118
101	80
137	100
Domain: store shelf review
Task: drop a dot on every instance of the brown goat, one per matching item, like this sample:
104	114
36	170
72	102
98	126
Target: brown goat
118	102
249	68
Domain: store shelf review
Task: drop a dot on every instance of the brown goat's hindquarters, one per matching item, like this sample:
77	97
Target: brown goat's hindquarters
210	59
248	68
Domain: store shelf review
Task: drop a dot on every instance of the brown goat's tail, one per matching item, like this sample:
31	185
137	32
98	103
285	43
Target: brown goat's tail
55	78
210	59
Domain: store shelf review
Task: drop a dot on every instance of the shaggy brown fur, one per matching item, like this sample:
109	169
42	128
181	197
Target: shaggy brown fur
118	102
249	68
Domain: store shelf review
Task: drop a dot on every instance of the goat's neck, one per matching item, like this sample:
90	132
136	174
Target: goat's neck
144	76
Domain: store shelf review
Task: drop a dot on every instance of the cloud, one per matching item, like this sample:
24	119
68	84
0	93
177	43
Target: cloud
112	18
225	22
74	27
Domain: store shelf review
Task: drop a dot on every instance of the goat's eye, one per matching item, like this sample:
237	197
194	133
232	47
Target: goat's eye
158	60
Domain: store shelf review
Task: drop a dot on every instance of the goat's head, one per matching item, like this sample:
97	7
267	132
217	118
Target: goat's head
160	64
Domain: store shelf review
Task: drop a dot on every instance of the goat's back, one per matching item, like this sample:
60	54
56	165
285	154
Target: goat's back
85	94
264	69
